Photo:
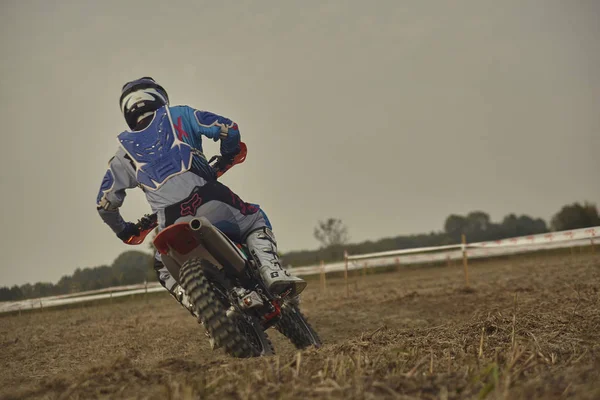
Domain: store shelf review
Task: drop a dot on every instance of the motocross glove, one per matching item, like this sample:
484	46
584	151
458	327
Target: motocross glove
128	232
224	161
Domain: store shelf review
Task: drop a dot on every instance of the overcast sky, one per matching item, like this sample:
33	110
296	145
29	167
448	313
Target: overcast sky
387	114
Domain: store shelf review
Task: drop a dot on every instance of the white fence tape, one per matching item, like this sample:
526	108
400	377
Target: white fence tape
112	289
80	297
523	244
544	238
521	241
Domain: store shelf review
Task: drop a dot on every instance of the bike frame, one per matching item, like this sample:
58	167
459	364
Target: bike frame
198	238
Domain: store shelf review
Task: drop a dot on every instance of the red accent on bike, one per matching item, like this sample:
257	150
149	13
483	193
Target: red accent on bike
139	239
178	237
275	313
149	222
238	159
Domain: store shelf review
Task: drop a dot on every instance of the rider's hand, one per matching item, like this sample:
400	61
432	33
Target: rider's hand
147	222
128	232
223	161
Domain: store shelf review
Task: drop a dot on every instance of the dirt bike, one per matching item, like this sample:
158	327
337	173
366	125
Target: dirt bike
224	286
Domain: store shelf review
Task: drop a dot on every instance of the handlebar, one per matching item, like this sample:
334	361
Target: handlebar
146	225
150	221
239	158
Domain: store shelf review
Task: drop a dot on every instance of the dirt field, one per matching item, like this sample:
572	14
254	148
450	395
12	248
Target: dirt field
528	329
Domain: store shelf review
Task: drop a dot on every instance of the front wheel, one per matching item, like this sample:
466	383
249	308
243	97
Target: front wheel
239	334
296	328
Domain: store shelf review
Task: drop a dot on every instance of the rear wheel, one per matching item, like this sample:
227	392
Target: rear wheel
295	327
241	335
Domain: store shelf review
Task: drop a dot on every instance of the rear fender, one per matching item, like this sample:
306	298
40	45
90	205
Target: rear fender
198	238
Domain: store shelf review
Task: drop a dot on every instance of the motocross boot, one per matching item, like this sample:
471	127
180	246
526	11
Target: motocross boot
263	248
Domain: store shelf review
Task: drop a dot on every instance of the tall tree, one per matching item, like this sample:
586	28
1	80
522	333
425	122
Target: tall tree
478	226
455	226
132	267
574	216
512	226
331	232
16	293
5	294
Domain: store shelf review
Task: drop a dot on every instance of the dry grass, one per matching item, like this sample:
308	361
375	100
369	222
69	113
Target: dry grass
528	329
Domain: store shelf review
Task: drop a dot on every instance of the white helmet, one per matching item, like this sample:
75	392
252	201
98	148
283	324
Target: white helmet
140	98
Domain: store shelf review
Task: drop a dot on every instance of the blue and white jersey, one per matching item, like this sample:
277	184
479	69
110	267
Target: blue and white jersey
165	159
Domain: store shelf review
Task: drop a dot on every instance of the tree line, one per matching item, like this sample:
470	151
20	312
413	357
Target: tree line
133	267
129	268
477	227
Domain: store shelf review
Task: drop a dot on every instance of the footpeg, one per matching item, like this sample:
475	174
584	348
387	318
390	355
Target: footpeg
251	300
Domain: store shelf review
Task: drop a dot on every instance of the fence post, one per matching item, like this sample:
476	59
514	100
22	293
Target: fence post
323	277
346	270
465	259
146	290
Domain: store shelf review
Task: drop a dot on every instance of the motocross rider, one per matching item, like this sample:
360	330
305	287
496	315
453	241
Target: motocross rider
162	154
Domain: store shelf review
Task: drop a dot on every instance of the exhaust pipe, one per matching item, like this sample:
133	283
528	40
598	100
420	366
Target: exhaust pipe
195	224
